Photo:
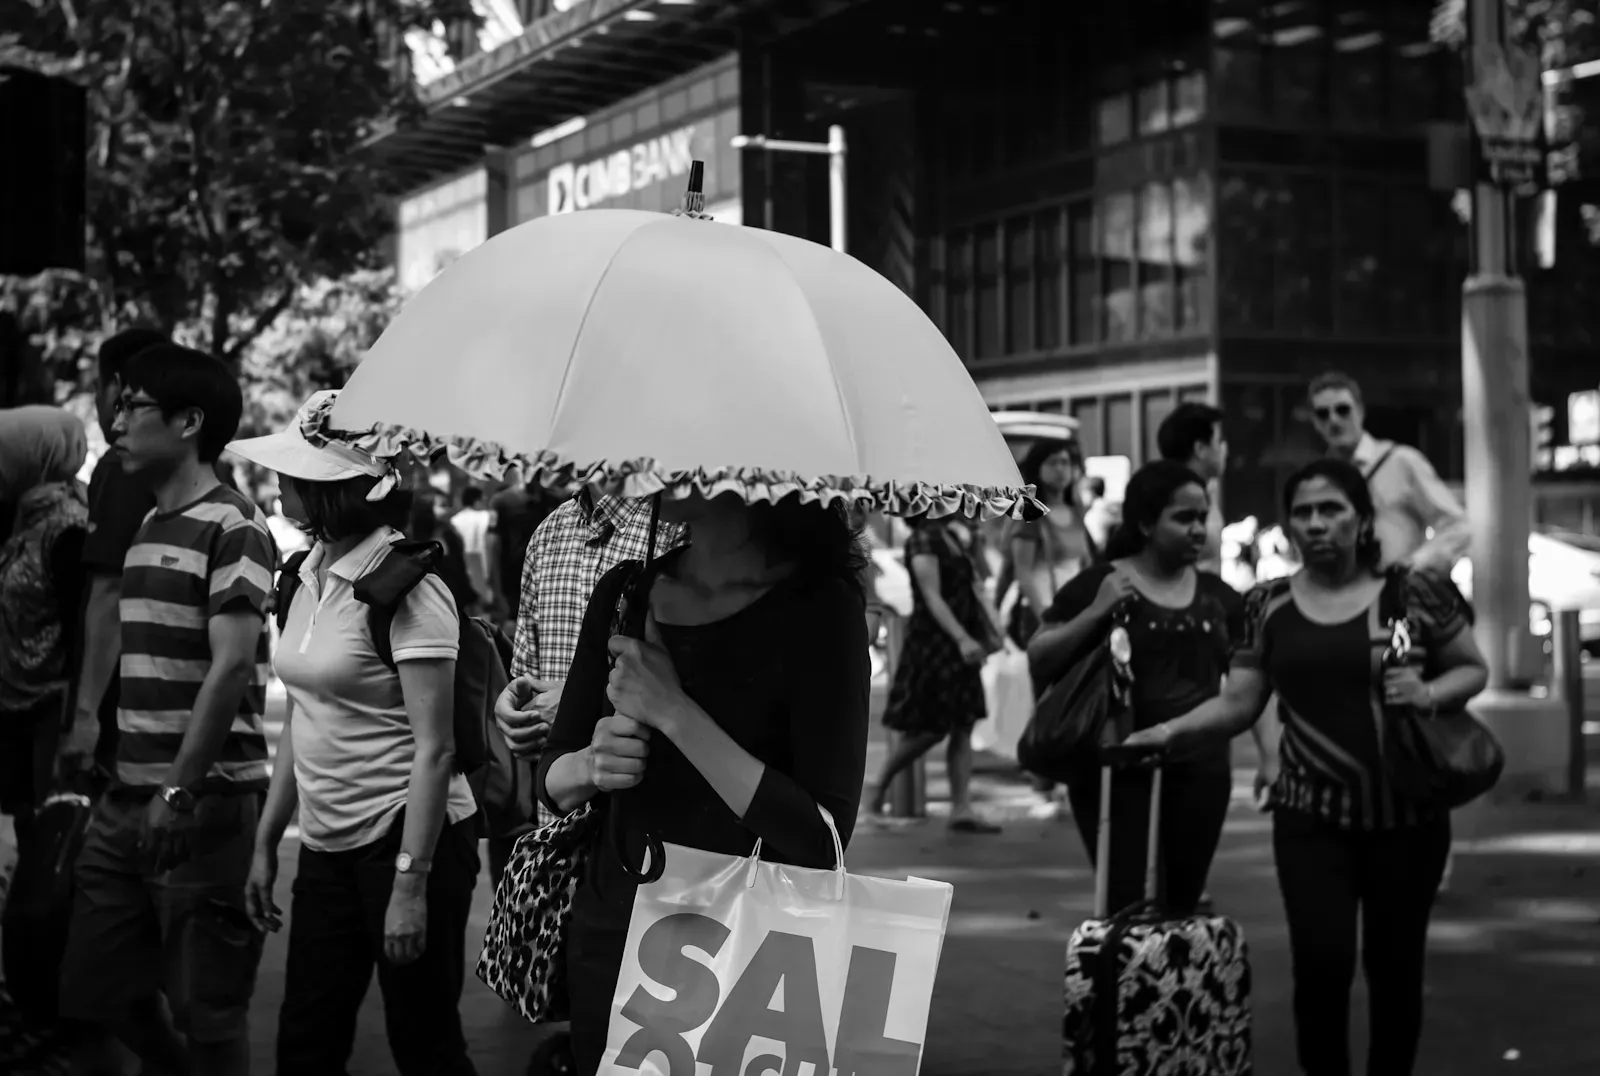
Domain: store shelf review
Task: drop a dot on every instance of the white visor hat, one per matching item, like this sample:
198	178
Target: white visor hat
289	453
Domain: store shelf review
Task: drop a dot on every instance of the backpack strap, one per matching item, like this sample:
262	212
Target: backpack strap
288	585
405	565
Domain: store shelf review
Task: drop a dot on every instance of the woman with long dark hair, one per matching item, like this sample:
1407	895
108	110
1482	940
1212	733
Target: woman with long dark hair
741	711
389	845
1347	844
937	694
1044	555
1182	624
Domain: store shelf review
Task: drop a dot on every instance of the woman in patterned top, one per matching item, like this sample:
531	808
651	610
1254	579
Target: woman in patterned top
1345	842
1182	624
938	686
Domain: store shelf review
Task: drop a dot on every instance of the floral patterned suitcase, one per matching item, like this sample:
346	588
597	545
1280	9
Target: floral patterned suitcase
1149	994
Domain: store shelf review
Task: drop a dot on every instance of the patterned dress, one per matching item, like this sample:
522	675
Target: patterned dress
934	690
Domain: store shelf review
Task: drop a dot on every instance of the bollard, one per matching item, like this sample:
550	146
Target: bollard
1568	654
908	793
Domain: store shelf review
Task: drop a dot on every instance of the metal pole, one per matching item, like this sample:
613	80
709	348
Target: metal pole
1495	399
836	188
1569	685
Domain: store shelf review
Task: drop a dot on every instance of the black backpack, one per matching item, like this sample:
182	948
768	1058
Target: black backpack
501	782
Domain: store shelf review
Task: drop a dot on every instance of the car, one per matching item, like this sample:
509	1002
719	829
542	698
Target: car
1563	573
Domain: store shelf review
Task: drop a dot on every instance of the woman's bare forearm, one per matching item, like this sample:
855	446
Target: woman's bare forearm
1054	645
567	783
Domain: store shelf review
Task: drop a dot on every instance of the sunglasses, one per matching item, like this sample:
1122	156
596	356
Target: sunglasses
1343	410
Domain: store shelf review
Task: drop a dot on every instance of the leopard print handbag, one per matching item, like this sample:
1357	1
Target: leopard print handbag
524	947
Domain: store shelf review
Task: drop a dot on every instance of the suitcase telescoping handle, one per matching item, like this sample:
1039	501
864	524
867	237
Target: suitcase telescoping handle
1102	854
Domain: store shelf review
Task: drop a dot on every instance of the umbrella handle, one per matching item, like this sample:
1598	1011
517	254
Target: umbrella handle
637	597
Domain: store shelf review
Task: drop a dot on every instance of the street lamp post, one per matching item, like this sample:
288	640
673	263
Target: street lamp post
834	149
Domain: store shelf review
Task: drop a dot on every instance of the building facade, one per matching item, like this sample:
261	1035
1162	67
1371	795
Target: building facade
1108	206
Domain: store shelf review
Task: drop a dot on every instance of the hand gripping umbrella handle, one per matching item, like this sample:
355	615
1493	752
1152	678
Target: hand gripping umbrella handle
634	608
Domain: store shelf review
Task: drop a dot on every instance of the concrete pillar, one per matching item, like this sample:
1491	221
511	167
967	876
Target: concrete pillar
1495	396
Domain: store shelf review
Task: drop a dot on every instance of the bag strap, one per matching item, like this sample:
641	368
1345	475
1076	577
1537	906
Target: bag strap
288	585
385	587
1394	599
1377	464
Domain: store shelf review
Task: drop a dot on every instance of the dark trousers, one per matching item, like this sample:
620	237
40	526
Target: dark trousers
1194	805
1328	876
336	938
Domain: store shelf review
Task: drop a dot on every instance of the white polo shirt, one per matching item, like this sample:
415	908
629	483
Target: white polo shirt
353	746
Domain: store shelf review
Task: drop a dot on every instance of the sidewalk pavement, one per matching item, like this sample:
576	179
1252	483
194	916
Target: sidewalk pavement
1514	955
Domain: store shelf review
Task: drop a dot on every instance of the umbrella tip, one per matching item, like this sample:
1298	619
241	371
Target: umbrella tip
694	198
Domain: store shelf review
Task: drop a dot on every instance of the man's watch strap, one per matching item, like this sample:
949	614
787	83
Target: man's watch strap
406	863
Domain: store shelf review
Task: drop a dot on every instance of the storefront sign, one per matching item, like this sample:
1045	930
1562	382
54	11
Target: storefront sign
439	225
655	160
1506	102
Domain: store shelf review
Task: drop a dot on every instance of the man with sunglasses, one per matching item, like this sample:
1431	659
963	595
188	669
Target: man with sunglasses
1409	497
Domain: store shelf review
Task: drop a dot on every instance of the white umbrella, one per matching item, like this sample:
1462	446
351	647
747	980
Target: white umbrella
645	353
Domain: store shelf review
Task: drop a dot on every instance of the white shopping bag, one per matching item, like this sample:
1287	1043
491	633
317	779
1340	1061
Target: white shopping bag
735	967
1008	695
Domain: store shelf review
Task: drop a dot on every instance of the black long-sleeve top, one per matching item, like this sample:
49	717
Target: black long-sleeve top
788	678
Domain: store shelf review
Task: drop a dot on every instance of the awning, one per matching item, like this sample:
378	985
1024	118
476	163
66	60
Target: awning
572	63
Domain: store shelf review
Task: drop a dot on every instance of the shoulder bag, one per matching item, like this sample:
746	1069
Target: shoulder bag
1443	761
1090	704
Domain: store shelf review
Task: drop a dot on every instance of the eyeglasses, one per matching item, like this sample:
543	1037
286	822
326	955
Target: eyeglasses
1343	410
126	405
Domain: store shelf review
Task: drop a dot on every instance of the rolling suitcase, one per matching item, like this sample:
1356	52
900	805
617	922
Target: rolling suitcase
1150	994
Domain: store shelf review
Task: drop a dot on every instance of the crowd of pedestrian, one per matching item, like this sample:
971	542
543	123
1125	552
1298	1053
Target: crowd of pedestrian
144	608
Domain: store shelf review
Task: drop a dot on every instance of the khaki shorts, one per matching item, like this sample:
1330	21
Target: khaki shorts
182	933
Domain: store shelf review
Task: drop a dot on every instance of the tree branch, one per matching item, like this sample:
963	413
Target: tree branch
263	322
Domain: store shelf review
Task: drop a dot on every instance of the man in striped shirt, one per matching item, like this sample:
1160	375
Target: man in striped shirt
160	881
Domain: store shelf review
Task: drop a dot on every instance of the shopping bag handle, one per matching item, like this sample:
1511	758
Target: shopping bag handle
754	860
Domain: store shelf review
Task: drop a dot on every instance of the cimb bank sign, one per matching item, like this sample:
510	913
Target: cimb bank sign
655	160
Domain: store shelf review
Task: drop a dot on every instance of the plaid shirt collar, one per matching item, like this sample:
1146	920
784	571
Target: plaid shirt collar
604	515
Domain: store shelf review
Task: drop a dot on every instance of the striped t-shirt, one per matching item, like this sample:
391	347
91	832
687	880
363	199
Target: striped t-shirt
210	557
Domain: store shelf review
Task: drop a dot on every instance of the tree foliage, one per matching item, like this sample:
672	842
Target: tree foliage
225	165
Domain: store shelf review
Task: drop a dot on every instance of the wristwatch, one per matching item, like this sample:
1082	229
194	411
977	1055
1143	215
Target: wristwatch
405	863
180	799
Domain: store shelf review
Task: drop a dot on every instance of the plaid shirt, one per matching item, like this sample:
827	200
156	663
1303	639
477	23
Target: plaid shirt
580	541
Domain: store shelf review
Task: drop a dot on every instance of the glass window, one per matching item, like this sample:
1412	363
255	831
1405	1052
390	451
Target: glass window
1237	59
1113	119
1119	428
1409	276
1050	247
1298	62
1360	252
1157	406
1019	285
1304	256
1155	111
958	317
1246	205
1191	212
1414	62
1358	49
1117	252
1155	261
1085	273
989	341
1188	98
1091	434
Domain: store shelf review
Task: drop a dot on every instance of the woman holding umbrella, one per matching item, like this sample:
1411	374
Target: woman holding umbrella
758	386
